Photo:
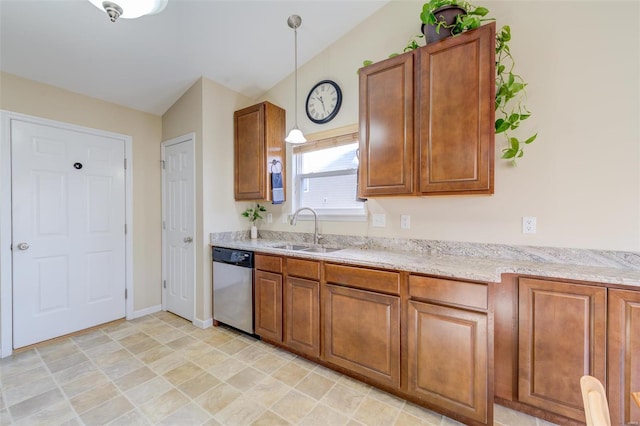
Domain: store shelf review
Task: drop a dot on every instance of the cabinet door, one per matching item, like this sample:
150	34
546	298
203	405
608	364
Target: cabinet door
448	358
268	305
456	86
259	141
303	316
562	336
250	161
362	332
386	127
624	355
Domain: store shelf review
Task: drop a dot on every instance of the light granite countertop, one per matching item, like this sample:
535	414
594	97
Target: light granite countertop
458	260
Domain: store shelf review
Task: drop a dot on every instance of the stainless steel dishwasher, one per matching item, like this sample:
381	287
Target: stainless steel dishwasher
233	288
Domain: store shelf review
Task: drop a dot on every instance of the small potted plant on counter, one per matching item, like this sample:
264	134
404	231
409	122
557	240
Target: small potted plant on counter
253	214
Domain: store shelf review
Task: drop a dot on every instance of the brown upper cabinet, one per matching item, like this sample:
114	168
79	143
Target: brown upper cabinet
427	119
258	150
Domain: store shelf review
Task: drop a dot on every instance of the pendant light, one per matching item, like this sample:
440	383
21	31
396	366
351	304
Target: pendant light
129	9
295	135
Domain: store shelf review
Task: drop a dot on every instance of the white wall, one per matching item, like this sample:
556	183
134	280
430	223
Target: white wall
207	110
40	100
581	178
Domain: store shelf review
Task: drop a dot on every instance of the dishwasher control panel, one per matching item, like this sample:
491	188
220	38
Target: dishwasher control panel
233	256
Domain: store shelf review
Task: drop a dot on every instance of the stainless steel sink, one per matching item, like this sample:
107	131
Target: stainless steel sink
291	247
313	249
321	249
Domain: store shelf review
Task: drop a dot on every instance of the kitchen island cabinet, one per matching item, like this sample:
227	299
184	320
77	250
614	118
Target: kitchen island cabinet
427	119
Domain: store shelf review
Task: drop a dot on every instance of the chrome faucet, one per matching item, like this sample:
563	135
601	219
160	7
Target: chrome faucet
294	219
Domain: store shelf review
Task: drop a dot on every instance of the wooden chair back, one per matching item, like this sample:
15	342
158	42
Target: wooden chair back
596	407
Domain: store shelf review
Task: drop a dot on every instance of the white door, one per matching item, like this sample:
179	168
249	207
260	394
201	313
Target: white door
179	227
68	208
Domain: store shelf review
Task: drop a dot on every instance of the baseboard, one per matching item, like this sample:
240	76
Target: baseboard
143	312
203	324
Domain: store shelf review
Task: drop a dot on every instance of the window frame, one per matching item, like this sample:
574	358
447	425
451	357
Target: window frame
342	139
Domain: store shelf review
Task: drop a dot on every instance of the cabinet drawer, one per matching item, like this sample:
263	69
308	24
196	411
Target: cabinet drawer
367	279
457	293
268	263
303	268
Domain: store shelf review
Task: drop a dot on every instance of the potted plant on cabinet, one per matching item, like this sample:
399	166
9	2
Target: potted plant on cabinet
444	18
253	214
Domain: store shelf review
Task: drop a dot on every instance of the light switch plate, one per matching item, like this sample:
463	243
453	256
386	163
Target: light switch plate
379	220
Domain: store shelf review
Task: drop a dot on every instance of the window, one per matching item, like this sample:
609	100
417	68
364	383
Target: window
325	176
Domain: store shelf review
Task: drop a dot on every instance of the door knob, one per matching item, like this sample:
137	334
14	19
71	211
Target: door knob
23	246
188	240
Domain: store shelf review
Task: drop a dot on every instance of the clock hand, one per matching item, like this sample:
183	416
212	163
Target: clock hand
322	102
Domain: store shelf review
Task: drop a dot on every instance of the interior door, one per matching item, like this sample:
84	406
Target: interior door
179	227
68	208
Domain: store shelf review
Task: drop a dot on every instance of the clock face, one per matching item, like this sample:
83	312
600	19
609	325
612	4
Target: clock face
323	102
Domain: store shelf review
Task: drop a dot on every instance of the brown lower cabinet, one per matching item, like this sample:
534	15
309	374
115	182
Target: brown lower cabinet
449	342
362	332
302	309
562	336
268	297
425	339
268	305
549	333
623	356
447	358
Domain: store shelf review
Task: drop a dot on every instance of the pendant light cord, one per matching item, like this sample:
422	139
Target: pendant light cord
295	61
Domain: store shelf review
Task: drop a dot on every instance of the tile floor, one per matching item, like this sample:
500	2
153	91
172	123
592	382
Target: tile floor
160	369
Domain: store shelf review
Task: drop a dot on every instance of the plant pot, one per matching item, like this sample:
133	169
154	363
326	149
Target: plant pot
254	232
446	13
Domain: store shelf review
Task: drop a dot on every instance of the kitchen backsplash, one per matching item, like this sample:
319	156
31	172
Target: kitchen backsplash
608	258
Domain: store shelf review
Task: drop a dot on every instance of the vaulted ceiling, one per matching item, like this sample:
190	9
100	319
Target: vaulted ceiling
147	63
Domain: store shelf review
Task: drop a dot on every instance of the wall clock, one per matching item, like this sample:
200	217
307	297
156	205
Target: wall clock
323	102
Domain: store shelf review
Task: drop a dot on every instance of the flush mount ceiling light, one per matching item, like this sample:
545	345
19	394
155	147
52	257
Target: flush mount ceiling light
295	135
130	9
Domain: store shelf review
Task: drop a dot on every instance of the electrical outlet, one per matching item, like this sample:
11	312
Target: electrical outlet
405	221
528	225
379	220
284	218
269	218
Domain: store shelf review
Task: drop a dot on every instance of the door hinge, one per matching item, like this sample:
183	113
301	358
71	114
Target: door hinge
125	229
164	225
162	164
125	164
126	293
164	283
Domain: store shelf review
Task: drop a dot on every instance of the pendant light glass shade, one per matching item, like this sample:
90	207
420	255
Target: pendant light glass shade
295	135
130	9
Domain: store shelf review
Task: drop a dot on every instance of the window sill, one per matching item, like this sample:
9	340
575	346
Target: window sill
332	217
